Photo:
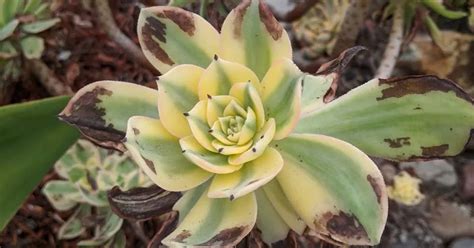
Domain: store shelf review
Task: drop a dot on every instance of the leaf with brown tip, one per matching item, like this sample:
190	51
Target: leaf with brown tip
141	203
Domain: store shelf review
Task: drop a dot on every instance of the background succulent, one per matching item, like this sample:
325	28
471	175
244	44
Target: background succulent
424	9
317	30
20	22
89	172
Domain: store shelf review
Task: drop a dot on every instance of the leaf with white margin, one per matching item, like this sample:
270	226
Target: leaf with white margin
63	195
171	36
252	36
104	231
101	110
253	175
159	155
334	187
281	96
73	227
398	119
177	94
215	222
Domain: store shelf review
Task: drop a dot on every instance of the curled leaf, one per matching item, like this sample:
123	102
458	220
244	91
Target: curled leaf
141	203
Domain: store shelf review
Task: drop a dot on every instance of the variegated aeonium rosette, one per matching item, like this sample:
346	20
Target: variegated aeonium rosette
253	141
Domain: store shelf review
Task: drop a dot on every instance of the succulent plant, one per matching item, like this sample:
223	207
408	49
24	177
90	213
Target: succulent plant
88	173
20	22
317	30
411	8
252	141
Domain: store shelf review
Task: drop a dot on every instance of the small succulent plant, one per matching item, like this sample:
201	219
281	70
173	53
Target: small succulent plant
88	173
252	141
20	22
318	29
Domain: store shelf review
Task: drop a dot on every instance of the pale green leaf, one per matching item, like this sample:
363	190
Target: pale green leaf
314	90
7	30
7	50
398	119
32	47
73	227
31	6
40	26
63	195
334	187
215	222
105	231
269	222
281	96
180	3
440	9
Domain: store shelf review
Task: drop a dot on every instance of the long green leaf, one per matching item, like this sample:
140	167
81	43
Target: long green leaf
399	119
31	140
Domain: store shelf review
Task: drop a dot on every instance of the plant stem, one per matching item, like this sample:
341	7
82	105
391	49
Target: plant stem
106	20
48	79
392	49
203	8
138	229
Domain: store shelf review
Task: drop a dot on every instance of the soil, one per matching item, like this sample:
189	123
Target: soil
79	52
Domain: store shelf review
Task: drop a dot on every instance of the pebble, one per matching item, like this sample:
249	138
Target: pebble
462	243
439	171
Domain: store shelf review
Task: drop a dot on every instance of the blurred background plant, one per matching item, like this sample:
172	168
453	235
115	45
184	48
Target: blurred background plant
407	16
318	29
20	23
88	173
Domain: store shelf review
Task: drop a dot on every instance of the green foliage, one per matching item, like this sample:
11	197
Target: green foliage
427	7
31	140
89	172
180	3
20	21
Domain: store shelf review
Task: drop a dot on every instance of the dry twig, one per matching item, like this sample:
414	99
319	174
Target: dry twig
107	22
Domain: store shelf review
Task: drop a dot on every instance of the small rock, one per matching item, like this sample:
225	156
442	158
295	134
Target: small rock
64	55
467	190
439	171
462	243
